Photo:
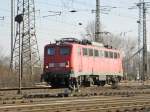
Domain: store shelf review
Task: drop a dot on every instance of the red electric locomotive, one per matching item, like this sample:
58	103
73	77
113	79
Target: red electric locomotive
70	63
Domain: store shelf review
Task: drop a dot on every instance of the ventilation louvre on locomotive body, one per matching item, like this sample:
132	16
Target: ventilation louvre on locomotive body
70	62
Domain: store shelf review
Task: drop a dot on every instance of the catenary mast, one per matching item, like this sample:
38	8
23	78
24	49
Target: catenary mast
25	54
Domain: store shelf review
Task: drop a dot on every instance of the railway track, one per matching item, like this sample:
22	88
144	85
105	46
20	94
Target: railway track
37	95
88	100
88	104
40	100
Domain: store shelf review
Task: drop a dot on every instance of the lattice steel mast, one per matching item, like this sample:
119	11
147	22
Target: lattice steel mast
143	33
140	31
25	56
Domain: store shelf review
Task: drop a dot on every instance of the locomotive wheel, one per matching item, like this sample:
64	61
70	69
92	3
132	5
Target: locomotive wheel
74	88
89	82
101	83
73	85
44	78
114	84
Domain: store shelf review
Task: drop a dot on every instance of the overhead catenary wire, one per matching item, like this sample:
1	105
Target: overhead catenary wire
84	3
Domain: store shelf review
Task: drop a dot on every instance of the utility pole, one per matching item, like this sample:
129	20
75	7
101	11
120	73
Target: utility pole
12	32
144	43
25	55
97	23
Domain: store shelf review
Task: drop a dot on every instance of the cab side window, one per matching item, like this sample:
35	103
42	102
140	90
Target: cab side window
111	54
90	52
96	53
101	53
115	55
106	54
85	51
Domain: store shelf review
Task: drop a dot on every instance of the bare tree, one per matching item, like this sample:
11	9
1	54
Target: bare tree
90	30
123	43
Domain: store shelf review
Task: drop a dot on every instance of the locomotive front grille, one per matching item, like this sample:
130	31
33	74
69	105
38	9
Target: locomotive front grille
63	64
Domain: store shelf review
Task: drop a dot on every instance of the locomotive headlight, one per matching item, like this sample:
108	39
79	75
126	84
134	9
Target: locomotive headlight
67	64
46	66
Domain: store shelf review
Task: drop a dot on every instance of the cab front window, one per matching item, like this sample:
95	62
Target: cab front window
51	51
64	51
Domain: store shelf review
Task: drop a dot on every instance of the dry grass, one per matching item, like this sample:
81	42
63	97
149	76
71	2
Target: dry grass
10	79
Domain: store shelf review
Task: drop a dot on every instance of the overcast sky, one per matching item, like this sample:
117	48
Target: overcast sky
117	20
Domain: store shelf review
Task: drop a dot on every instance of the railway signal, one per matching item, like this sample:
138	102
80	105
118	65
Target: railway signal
19	20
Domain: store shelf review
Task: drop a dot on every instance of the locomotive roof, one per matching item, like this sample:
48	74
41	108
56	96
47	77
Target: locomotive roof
83	43
77	44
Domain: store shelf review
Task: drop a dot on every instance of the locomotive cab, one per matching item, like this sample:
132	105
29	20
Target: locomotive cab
57	64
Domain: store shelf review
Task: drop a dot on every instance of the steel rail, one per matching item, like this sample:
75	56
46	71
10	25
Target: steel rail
84	107
89	106
118	108
75	99
25	88
79	104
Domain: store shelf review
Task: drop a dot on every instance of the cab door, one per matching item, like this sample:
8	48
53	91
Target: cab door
79	59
